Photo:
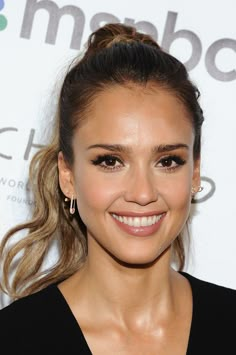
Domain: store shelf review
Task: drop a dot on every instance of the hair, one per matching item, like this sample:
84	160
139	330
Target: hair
115	55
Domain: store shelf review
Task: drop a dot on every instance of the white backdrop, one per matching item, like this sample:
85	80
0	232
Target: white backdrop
37	41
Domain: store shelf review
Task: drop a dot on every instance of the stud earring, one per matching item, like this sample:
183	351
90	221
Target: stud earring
194	190
72	205
200	188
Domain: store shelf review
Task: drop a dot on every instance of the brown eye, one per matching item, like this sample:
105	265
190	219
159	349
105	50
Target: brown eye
171	162
167	162
108	162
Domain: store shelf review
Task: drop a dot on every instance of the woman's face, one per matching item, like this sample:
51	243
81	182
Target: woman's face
133	172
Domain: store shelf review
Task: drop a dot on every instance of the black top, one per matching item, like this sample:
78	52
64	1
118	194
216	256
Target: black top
44	324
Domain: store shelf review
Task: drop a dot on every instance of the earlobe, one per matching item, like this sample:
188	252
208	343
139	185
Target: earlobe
65	176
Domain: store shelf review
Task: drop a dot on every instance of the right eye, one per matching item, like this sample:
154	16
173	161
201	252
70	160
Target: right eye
108	162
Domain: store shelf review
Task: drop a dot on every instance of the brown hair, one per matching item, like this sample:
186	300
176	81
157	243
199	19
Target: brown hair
116	55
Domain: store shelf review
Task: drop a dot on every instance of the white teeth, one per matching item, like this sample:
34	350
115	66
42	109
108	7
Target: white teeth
144	221
138	221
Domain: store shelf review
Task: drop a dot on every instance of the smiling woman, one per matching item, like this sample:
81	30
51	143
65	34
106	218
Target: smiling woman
140	170
115	188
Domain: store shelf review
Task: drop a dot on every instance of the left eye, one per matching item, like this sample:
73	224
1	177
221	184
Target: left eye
171	162
110	161
168	162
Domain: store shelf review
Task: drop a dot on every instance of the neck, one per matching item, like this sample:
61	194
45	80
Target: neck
127	293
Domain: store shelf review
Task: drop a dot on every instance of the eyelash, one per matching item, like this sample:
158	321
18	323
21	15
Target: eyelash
172	158
102	158
114	159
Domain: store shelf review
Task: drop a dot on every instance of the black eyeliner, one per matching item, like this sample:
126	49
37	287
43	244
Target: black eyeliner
101	158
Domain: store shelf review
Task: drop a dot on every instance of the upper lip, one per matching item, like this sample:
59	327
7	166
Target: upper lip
137	214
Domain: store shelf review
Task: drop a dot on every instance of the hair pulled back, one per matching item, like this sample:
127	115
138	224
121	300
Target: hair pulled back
116	55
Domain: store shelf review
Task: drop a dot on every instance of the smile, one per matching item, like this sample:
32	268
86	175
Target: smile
144	221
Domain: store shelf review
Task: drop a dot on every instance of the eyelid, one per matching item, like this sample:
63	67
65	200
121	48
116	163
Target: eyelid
101	159
177	159
171	156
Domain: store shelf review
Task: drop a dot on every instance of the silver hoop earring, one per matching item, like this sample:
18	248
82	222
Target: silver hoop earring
72	205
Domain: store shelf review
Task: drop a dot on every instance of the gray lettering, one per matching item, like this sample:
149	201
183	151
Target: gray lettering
170	36
11	183
210	59
7	129
31	144
17	199
20	185
100	19
3	181
55	14
143	26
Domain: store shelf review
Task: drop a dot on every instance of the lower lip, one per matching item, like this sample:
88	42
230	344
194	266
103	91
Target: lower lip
140	231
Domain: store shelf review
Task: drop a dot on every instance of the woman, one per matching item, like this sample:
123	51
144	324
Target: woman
115	188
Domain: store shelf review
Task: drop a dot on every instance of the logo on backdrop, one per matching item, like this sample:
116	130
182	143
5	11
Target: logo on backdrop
28	146
170	34
34	9
3	19
17	190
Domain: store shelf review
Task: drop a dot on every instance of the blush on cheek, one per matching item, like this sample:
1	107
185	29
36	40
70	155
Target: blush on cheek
178	194
97	193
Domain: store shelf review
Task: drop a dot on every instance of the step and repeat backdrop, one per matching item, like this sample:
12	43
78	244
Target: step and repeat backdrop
38	40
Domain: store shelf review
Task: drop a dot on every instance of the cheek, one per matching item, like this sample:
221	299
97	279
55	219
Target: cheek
96	192
178	200
178	193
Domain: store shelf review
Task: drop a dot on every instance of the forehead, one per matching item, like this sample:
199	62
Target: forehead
136	115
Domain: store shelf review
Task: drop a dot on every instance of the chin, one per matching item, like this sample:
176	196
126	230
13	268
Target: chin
138	261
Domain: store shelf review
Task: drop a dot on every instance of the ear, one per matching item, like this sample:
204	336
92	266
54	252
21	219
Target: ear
196	179
66	180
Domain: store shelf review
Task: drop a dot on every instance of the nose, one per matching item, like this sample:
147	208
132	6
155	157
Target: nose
141	187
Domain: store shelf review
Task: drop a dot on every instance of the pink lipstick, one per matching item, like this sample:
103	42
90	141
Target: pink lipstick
139	224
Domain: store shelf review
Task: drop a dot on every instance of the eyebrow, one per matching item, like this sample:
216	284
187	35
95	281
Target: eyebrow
169	147
162	148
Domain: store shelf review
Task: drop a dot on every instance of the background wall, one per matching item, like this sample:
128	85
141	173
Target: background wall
37	41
